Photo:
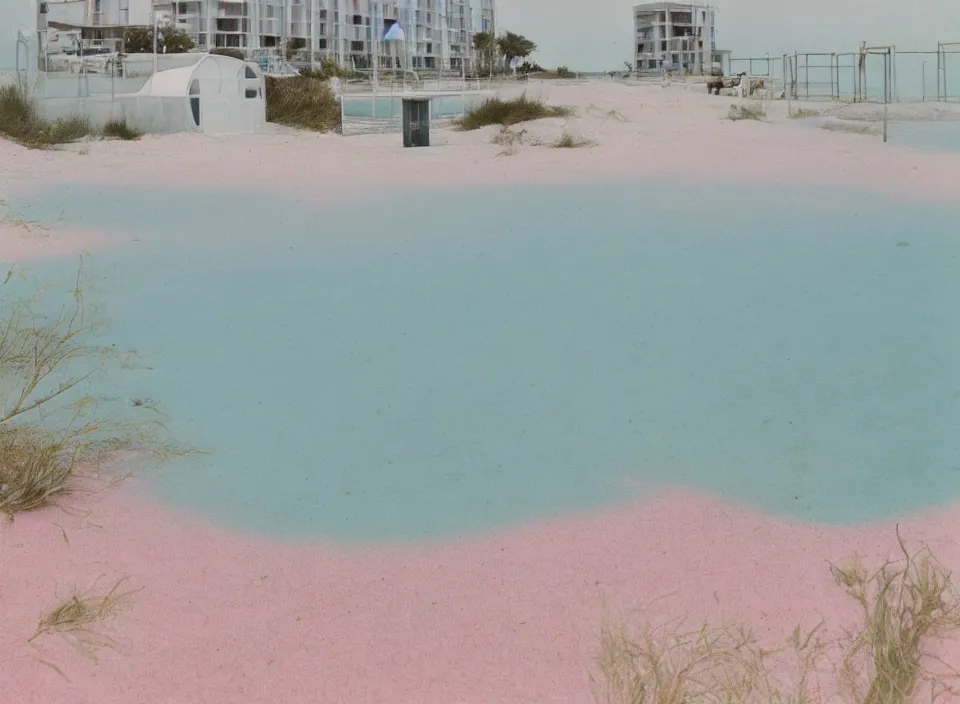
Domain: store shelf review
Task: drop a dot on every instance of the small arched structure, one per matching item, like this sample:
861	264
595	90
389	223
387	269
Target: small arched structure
216	95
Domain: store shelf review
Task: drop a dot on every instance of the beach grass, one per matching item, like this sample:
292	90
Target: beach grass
496	111
748	112
81	618
50	432
907	605
21	122
569	141
305	102
119	129
804	113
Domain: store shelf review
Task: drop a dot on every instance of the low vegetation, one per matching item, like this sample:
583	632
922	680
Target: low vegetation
305	102
21	121
227	51
52	434
496	111
569	141
803	113
906	605
327	68
117	129
82	618
747	112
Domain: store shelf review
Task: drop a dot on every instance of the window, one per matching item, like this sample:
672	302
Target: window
357	19
195	100
322	43
250	73
356	46
252	92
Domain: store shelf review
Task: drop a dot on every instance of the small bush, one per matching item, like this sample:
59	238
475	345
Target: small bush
120	130
803	113
21	122
496	111
564	72
302	101
747	112
568	141
328	69
232	53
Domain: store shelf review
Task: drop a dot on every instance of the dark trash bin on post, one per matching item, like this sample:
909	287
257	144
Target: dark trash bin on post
416	122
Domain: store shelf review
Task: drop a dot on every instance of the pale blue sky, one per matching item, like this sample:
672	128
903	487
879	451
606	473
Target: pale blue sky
597	34
593	35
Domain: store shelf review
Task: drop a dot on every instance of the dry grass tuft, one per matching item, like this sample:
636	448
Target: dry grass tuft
81	618
569	141
747	112
46	436
905	604
803	113
709	666
21	122
117	129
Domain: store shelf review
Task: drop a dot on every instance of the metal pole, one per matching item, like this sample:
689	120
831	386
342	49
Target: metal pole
886	87
789	98
155	24
373	52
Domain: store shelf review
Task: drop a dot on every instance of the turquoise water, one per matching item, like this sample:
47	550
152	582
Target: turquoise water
442	106
433	367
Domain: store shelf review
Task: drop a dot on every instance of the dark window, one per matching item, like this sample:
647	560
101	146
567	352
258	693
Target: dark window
357	19
252	92
356	46
321	43
250	73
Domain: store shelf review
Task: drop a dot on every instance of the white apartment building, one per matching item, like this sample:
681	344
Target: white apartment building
674	36
438	33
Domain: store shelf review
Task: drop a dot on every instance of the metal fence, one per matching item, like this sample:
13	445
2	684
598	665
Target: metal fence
873	74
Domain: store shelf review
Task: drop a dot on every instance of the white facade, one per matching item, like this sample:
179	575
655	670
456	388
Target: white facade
674	35
439	33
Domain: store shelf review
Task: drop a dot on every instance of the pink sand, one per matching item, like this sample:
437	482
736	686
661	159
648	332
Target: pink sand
505	618
509	618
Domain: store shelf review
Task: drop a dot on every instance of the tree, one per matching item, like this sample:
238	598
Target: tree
515	46
486	45
293	45
139	40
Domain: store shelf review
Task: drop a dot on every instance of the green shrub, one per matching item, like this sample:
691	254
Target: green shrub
232	53
564	72
568	141
21	122
302	101
120	130
496	111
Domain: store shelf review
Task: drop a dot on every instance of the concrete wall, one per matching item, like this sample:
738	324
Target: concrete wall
14	15
53	85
